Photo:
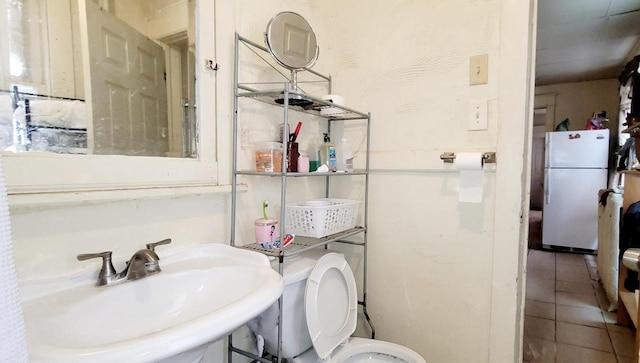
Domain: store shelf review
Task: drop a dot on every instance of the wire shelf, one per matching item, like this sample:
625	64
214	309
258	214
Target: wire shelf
301	244
302	102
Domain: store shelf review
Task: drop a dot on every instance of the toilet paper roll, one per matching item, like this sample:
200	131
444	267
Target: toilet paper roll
471	177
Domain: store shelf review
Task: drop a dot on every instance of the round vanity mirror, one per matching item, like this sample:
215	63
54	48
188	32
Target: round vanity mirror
291	41
293	44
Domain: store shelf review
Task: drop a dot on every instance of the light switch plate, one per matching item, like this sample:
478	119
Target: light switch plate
479	69
478	115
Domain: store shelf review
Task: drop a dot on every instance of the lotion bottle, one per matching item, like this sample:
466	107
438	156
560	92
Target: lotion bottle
328	153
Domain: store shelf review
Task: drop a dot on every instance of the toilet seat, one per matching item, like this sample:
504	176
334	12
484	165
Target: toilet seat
359	350
331	306
331	303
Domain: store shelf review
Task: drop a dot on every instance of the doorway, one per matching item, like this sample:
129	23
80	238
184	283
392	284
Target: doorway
536	202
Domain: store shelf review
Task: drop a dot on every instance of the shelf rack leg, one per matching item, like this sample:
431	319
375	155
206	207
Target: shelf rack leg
366	230
366	316
249	355
230	348
283	201
234	176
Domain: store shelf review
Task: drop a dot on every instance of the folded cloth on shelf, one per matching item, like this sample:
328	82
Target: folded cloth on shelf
55	113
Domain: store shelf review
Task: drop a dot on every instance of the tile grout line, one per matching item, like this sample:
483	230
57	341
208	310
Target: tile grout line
595	293
556	264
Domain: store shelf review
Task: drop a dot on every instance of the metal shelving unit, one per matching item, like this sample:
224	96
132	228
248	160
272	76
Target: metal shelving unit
310	105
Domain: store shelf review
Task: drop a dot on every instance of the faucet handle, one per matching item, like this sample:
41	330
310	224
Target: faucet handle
88	256
107	271
152	246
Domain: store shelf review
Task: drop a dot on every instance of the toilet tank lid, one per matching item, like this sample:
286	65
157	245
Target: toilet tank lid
298	267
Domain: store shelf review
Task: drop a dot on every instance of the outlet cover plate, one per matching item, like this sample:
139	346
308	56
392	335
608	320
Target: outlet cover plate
478	115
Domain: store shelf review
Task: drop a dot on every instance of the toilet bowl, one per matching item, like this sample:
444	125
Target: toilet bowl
360	350
320	306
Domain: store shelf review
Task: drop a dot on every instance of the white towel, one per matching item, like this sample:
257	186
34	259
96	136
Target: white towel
56	113
13	342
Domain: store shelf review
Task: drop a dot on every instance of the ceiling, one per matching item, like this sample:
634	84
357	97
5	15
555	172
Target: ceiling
584	40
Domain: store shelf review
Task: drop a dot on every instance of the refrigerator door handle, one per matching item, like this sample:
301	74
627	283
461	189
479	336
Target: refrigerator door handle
547	149
547	188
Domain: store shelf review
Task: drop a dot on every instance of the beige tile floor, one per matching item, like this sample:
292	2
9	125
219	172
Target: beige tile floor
566	317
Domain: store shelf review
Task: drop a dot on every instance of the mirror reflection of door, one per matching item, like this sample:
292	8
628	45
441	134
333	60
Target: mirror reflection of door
181	92
136	95
128	100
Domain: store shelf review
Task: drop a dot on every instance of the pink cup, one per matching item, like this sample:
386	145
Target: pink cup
266	230
303	164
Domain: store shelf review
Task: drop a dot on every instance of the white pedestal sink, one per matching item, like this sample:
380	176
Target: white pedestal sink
203	293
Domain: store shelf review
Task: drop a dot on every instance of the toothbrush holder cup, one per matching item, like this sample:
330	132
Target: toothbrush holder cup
266	230
292	157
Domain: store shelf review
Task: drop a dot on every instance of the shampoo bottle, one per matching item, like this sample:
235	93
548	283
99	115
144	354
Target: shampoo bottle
328	153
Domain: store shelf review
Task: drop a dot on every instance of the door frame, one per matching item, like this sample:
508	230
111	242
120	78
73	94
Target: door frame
537	131
516	94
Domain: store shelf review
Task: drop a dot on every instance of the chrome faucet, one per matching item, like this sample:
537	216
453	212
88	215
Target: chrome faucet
143	263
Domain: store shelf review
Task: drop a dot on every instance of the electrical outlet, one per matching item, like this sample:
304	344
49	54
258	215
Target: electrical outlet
479	69
478	115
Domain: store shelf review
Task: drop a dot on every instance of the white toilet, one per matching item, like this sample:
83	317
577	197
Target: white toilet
320	306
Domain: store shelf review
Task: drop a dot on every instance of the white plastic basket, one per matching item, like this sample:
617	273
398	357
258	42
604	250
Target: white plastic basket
321	217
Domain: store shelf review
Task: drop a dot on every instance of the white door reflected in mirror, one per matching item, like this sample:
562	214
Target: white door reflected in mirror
98	77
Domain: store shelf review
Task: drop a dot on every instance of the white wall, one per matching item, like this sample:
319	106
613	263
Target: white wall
134	13
578	100
47	241
154	18
60	40
444	276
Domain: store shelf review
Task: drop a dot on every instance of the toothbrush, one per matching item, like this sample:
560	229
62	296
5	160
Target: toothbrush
294	135
288	238
297	130
265	204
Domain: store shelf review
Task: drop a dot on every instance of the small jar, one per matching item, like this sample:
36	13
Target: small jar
268	157
303	163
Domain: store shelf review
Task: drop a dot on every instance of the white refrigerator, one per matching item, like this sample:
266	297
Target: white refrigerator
575	170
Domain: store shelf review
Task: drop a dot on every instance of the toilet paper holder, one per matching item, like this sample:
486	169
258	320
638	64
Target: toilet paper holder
488	157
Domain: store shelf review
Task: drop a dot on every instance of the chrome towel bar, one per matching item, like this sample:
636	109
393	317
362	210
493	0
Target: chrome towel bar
449	157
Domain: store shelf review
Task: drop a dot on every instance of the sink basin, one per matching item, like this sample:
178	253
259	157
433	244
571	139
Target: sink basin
203	293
